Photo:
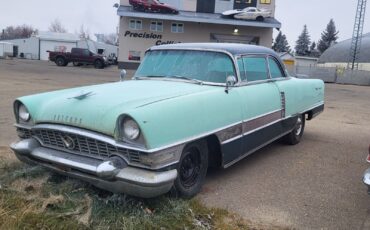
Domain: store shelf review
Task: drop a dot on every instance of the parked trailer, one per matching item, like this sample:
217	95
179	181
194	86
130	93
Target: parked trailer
6	49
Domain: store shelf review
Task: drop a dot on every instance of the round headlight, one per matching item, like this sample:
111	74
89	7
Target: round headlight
23	113
131	129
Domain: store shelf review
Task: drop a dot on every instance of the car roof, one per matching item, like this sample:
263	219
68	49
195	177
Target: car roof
233	48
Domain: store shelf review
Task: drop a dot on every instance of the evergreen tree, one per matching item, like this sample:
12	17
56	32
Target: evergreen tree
329	37
281	44
303	43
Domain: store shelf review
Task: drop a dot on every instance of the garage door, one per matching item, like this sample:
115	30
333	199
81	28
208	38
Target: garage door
54	46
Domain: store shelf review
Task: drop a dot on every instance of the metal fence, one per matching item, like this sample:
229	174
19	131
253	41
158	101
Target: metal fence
335	75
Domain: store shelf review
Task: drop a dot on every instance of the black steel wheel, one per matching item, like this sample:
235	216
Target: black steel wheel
294	137
192	169
60	61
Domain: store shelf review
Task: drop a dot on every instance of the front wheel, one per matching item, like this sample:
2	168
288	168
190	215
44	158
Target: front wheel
99	64
192	169
294	137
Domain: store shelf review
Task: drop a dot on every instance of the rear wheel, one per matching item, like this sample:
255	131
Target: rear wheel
295	136
60	61
99	64
192	169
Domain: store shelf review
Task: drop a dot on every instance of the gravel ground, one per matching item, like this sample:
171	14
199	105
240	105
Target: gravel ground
313	185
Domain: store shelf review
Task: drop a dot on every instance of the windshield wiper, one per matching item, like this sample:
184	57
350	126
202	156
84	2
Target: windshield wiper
186	78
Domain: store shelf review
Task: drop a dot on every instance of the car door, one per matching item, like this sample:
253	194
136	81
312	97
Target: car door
86	56
262	110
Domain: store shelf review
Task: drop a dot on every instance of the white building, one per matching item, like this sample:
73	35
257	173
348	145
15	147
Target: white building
36	46
197	21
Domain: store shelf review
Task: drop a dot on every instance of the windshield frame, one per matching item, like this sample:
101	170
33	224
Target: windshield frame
230	55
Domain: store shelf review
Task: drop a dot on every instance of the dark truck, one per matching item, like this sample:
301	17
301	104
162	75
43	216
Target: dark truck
78	56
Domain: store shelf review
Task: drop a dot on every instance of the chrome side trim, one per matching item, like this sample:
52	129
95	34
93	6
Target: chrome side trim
253	124
262	127
255	149
184	141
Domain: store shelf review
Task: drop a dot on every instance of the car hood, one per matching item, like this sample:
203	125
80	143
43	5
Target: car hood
98	107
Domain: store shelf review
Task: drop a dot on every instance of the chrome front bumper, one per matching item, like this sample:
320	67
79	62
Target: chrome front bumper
103	174
366	179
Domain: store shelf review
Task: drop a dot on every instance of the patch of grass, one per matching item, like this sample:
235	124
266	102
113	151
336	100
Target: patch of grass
62	203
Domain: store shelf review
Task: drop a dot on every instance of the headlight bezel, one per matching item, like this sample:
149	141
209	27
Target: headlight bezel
139	141
19	108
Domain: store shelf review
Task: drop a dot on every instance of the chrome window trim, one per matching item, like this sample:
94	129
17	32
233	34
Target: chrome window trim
279	64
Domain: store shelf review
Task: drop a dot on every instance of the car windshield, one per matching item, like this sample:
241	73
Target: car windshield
205	66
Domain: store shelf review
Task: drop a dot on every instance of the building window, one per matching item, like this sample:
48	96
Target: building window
177	28
156	26
134	55
265	1
136	24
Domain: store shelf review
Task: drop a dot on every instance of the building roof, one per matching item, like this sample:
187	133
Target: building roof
52	36
339	53
234	49
187	16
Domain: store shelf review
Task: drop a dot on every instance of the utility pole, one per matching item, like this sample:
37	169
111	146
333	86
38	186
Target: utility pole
357	35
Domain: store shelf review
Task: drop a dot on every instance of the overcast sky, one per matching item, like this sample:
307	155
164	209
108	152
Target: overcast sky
99	16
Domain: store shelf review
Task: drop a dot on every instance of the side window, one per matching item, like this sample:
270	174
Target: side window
85	52
275	69
255	68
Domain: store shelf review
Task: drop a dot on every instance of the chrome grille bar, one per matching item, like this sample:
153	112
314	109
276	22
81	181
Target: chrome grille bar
82	145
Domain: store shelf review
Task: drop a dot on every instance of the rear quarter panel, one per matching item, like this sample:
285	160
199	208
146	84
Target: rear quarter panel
301	94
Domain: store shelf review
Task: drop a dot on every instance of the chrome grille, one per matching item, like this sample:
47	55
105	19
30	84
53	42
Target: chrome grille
83	145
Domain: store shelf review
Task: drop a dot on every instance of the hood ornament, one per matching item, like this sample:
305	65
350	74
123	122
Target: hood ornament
82	95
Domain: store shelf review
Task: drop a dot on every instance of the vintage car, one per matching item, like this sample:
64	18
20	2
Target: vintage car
153	6
188	107
249	13
366	177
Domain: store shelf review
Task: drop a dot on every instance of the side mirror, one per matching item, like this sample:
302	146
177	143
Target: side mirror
230	82
123	74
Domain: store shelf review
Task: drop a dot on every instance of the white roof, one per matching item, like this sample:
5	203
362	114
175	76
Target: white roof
45	35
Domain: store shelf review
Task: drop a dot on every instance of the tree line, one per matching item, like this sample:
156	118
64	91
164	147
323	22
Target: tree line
26	31
304	46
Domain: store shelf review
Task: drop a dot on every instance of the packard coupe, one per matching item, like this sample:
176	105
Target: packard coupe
187	108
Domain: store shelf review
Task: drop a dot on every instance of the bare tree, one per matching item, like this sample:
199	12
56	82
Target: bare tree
111	39
56	26
15	32
84	33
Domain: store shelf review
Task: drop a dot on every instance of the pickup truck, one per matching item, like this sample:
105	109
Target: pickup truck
78	56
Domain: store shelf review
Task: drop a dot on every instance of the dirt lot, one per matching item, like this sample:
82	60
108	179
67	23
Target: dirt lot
314	185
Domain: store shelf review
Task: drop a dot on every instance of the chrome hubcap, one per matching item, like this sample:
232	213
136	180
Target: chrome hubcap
298	128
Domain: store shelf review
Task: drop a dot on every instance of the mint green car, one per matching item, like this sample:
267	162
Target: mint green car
188	107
